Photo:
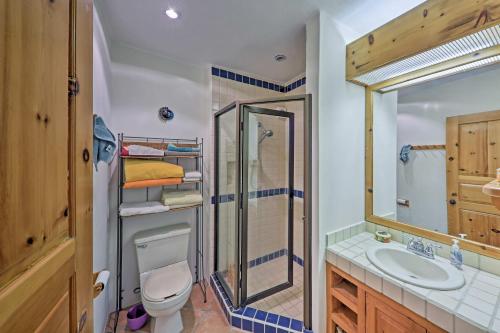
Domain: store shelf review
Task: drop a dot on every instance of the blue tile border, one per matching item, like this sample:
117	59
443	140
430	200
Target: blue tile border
224	198
252	320
274	255
227	74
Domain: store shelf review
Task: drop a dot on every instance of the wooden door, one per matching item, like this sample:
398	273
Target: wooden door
45	184
381	318
473	155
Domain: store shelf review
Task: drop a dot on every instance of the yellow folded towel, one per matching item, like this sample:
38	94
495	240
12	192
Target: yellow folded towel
181	198
138	169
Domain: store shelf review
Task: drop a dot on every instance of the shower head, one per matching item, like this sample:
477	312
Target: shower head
266	134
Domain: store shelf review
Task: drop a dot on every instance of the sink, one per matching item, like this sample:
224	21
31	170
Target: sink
414	269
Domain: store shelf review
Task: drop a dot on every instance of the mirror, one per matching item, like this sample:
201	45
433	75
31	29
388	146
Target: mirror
435	145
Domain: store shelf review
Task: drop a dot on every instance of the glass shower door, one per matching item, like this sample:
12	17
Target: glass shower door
226	217
267	202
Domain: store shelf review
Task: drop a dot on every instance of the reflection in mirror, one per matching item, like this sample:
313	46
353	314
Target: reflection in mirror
434	146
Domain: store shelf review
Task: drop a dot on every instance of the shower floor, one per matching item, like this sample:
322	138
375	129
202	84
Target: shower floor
288	302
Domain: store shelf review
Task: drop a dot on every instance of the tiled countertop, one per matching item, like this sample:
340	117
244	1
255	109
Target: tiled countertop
473	308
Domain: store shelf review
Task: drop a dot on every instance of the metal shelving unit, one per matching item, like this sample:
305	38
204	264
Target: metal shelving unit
199	265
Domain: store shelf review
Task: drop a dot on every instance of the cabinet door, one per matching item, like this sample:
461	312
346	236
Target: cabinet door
380	318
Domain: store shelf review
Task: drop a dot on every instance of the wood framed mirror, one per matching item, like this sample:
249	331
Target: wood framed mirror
432	58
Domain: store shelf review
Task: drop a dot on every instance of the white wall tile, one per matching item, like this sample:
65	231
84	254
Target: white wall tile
462	326
439	317
414	303
471	258
490	265
358	272
391	290
471	314
331	258
343	264
373	281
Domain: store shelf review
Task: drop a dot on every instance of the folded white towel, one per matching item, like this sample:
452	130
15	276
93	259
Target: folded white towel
176	198
141	208
138	150
191	180
192	174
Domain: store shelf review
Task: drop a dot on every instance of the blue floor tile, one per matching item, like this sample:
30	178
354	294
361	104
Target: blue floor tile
249	312
261	315
247	325
258	328
270	329
284	321
236	321
272	318
296	325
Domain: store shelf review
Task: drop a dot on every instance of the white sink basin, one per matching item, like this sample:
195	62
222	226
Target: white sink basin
411	268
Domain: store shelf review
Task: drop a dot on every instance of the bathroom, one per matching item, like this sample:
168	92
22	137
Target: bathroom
275	166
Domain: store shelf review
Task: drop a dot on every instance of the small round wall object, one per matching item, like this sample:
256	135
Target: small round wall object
165	114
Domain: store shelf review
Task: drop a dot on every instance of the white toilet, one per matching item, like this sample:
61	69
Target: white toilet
166	279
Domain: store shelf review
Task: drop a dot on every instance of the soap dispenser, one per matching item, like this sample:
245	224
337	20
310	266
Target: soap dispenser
456	257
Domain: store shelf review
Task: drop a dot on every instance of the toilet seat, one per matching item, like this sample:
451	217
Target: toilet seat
167	282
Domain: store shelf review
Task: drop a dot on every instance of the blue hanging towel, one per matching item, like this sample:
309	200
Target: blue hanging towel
404	155
104	142
173	147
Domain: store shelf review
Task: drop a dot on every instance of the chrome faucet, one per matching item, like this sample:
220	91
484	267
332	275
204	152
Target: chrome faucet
418	247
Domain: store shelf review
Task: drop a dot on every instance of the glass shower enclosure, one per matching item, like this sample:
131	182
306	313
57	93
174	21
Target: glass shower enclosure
254	160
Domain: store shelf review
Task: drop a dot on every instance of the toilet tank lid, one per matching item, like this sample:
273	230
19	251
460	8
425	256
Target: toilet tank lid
147	236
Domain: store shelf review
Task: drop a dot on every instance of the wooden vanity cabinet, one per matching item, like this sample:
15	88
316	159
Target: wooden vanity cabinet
380	317
356	308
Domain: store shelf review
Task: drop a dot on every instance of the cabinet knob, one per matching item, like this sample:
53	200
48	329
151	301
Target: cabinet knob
452	202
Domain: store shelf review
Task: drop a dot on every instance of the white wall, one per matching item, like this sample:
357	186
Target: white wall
385	132
101	100
422	112
338	149
143	82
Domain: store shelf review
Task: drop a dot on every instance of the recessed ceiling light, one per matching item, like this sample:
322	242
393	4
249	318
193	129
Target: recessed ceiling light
172	13
280	57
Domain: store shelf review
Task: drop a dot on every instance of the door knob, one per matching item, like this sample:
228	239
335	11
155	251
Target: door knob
452	202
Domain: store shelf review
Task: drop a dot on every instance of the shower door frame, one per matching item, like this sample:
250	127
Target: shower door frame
245	111
307	218
234	297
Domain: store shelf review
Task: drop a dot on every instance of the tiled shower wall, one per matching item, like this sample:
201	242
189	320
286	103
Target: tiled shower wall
267	213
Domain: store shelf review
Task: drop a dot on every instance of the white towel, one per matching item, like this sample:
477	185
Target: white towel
138	150
190	180
192	174
141	208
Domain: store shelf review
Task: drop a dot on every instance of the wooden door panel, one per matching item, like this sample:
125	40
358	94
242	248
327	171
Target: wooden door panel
494	230
475	225
34	131
57	320
473	193
473	152
36	292
480	227
493	147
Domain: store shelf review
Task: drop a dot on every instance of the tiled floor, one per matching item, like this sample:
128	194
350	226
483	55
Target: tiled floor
288	302
197	317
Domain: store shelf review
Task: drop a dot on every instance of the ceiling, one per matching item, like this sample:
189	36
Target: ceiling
239	34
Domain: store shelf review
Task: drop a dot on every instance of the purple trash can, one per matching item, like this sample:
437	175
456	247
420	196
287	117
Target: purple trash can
136	317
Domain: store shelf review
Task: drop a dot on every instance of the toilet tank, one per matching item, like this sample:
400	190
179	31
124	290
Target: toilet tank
161	247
